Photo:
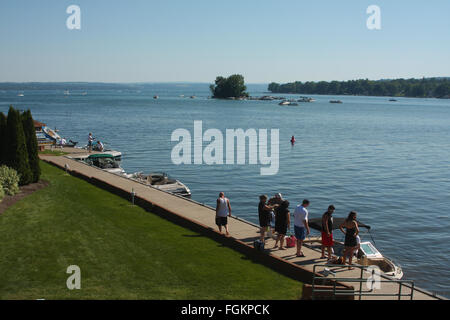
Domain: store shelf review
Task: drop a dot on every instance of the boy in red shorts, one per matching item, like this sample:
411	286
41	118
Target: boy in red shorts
327	232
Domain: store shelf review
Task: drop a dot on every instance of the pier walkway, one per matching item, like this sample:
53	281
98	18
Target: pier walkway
241	232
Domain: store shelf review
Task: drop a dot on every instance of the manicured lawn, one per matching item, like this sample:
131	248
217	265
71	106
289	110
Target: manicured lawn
123	251
53	152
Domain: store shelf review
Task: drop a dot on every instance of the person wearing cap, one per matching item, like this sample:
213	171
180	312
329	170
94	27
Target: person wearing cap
277	199
327	232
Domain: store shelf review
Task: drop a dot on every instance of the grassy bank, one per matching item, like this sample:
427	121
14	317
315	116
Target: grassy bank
123	251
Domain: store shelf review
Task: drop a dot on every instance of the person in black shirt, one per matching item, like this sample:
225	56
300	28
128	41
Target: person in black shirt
282	222
264	215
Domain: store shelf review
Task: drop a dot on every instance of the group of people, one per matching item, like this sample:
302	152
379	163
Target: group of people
274	215
97	147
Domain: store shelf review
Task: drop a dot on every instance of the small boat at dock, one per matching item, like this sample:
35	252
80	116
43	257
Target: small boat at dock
109	161
367	255
162	182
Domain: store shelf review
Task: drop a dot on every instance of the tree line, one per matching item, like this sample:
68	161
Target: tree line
418	88
18	145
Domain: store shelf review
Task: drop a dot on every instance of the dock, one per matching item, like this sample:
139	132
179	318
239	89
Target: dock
201	218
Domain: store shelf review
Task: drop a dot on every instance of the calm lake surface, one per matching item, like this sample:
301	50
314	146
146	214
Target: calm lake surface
389	161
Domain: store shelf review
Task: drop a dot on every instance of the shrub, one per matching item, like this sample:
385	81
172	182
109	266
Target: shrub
17	153
9	180
3	139
32	145
2	193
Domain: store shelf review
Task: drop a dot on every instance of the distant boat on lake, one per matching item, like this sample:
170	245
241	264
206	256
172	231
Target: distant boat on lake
393	100
306	99
335	101
20	95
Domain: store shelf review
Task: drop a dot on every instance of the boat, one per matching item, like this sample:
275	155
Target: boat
393	100
20	95
368	254
162	182
192	97
284	103
51	134
109	162
155	97
306	99
335	101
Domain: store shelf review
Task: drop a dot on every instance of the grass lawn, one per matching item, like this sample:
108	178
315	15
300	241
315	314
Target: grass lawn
123	251
53	152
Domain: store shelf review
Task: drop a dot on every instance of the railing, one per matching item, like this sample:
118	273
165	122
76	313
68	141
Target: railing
335	292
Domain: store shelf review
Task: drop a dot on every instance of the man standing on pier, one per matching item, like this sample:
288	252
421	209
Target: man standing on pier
223	210
90	142
327	232
301	226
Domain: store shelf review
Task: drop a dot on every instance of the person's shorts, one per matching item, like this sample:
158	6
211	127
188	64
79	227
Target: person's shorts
327	240
300	232
264	221
221	221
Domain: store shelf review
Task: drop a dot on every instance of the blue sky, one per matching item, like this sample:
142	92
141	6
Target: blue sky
172	40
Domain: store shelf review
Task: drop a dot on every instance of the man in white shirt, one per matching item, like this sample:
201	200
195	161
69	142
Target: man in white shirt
301	226
223	210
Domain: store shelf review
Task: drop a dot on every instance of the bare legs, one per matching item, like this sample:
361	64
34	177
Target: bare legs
280	238
226	229
323	252
348	252
299	248
262	231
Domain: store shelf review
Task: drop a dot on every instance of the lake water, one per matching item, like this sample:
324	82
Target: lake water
389	161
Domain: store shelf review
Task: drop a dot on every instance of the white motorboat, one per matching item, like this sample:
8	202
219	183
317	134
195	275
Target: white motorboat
162	182
109	162
367	255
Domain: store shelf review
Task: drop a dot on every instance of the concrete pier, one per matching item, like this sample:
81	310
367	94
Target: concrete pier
201	218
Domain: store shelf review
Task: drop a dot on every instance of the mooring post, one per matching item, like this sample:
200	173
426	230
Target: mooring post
133	194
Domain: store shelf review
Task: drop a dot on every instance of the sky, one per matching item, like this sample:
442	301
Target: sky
196	40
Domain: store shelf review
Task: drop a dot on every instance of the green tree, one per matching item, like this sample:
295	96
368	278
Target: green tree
3	138
231	87
32	145
16	151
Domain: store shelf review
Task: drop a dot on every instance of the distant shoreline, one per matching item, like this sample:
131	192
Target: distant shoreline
412	88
